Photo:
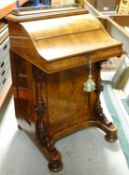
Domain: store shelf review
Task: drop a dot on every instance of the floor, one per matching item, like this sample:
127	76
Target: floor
84	153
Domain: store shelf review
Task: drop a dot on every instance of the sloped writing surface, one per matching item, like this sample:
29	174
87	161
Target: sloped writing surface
68	36
74	44
54	48
42	29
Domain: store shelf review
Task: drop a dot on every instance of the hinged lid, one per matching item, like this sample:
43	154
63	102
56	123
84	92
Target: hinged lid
60	42
68	36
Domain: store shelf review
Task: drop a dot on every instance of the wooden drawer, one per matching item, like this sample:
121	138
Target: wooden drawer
3	33
4	65
5	72
4	49
4	80
3	61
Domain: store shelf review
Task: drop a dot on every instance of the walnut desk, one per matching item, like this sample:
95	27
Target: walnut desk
50	53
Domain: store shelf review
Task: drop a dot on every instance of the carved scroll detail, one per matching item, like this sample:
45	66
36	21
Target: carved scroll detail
55	163
98	111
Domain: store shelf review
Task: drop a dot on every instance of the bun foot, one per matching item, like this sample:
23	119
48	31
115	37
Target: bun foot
111	137
55	165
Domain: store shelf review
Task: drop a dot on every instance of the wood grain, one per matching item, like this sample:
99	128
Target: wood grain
51	63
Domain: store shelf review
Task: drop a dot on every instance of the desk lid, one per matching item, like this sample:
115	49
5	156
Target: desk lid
63	42
67	36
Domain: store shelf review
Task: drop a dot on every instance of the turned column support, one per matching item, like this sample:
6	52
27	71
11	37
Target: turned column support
105	124
45	143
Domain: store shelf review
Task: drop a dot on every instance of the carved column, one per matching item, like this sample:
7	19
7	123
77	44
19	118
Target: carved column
105	125
43	139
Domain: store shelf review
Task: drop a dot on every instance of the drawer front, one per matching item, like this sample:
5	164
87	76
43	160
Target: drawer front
4	79
4	49
3	35
5	72
4	62
5	69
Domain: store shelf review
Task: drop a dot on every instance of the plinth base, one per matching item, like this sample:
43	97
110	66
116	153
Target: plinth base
54	156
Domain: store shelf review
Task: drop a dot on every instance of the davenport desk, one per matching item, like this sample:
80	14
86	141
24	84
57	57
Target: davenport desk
51	58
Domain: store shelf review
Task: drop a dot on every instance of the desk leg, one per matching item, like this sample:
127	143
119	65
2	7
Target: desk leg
104	124
44	141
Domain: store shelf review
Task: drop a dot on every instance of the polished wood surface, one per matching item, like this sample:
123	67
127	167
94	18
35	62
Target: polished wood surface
49	68
52	33
46	15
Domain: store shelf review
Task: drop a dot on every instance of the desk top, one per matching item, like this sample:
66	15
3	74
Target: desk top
62	40
68	36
